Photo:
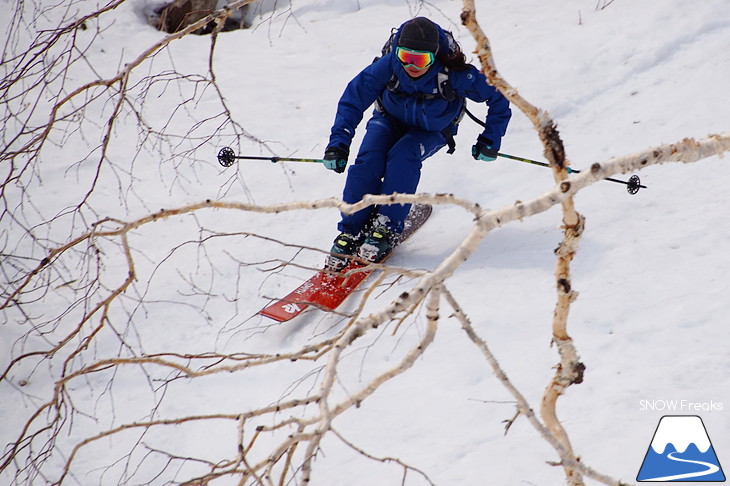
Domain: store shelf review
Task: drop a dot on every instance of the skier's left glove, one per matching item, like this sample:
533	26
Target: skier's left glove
484	150
335	158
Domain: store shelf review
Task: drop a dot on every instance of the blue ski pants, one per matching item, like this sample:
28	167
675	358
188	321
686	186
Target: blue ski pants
389	161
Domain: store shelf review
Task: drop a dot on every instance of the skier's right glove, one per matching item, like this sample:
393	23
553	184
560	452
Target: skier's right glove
335	158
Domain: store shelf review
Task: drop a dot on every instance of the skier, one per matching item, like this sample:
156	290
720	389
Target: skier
419	86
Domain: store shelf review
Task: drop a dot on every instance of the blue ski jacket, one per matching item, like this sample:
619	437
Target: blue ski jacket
416	102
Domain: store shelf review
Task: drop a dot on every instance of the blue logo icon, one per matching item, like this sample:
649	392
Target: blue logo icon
681	451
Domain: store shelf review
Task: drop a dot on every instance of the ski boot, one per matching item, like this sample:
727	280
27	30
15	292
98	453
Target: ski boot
343	248
378	243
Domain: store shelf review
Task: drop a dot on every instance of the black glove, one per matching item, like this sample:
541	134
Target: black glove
484	150
335	158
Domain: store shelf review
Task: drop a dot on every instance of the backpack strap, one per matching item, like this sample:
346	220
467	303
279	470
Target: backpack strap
442	80
444	85
449	136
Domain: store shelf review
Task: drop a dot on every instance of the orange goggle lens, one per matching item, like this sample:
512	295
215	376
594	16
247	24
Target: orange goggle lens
417	59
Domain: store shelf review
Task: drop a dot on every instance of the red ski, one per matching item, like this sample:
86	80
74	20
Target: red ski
326	290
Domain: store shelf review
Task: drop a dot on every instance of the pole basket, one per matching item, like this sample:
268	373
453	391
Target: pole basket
634	184
226	157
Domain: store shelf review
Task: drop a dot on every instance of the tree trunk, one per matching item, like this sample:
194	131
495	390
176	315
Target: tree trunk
181	13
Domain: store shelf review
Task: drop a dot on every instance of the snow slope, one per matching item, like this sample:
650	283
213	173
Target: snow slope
653	270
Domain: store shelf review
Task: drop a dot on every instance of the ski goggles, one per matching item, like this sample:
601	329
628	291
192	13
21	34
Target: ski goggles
416	59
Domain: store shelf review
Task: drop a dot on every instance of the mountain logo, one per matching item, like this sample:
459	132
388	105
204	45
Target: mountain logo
681	451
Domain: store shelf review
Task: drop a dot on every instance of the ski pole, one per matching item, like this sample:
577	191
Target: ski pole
632	185
227	157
